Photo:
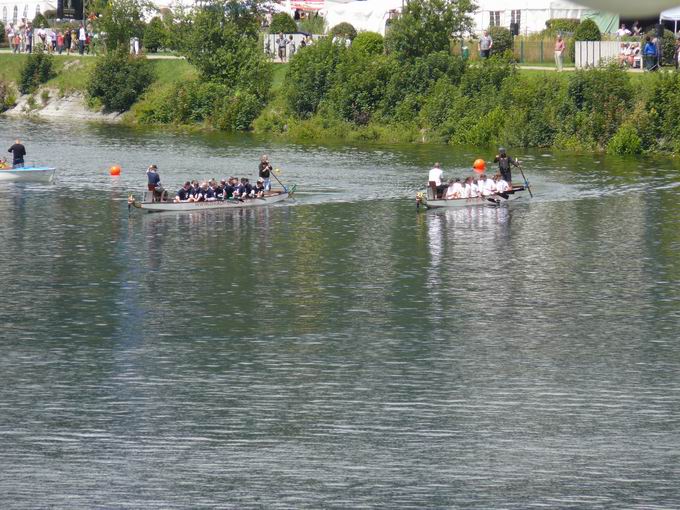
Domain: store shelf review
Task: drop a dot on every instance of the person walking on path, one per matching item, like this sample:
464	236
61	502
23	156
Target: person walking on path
559	53
82	37
18	152
485	45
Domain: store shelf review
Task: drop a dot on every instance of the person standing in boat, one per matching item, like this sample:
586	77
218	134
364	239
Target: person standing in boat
504	162
436	176
154	181
18	152
265	170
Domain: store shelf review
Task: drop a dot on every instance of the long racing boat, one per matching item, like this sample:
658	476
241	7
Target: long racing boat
149	204
429	200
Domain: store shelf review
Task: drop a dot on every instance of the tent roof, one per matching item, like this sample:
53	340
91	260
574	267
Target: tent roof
529	5
671	14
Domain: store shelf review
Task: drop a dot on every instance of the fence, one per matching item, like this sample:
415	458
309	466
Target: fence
525	51
596	53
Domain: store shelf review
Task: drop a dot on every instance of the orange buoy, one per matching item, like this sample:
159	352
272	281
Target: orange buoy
114	170
479	165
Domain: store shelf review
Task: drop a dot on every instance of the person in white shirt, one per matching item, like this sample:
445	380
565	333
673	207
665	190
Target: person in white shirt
82	37
501	185
455	190
436	176
486	186
467	188
474	188
623	31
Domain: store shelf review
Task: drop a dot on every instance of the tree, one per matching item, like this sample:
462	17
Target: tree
155	35
222	42
119	79
121	20
369	42
343	30
427	26
39	21
586	31
502	40
283	23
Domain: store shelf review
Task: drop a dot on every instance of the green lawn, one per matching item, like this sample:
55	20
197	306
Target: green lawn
280	71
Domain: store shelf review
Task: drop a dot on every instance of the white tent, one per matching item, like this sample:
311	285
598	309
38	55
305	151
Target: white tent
671	15
368	16
14	11
531	15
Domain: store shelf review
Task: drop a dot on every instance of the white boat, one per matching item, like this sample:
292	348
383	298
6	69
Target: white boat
149	205
430	202
29	173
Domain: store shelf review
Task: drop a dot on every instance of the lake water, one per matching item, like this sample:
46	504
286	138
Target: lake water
343	351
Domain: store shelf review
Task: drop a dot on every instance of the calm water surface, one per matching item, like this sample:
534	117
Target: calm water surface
344	351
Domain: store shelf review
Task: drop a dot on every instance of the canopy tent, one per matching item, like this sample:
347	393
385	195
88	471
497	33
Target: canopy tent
369	16
671	15
14	11
530	15
307	5
608	23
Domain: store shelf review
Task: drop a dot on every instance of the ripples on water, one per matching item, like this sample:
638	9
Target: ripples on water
344	352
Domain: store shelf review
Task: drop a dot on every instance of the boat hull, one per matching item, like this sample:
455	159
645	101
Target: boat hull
217	204
492	200
31	174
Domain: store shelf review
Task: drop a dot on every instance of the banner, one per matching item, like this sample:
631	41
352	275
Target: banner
70	9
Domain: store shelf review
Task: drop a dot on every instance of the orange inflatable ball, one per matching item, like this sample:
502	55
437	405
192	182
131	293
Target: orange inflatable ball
479	165
114	170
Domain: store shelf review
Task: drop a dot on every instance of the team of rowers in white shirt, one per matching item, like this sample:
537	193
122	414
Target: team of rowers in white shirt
471	187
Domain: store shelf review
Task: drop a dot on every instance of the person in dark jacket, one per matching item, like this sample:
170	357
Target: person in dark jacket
504	162
18	152
265	170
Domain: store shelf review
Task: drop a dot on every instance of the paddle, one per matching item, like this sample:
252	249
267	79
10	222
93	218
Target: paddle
273	172
526	183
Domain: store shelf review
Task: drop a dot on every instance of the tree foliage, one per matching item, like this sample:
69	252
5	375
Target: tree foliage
119	79
370	43
427	26
120	20
282	22
38	69
155	35
343	30
502	40
40	22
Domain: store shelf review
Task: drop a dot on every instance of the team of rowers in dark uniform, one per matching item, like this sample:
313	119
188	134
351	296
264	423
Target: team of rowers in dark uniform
232	188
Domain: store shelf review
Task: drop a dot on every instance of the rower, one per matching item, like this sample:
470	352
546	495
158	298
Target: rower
504	161
18	152
455	190
435	178
183	194
259	188
501	185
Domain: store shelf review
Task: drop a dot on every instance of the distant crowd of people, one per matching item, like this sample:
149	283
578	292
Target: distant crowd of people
24	38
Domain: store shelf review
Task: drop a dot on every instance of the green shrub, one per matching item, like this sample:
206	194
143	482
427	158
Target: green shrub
7	95
561	26
587	30
312	25
2	34
38	69
282	22
309	76
40	22
370	43
237	113
625	141
119	79
343	30
155	35
662	97
502	40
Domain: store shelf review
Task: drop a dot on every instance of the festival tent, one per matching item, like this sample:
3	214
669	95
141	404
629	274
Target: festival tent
368	16
531	15
14	11
671	15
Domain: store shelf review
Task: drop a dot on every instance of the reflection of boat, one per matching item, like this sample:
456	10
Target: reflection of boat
167	205
34	174
429	200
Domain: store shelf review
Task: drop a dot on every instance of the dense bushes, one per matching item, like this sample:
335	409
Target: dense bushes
557	26
118	80
502	40
38	69
587	30
282	22
370	43
7	96
155	35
